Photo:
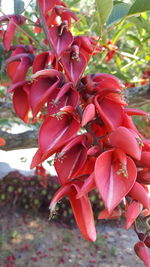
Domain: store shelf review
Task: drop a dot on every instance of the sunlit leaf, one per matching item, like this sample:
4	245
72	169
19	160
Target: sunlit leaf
104	9
139	7
118	12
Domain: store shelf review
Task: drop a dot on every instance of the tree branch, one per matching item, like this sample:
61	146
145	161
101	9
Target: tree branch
24	140
138	96
7	110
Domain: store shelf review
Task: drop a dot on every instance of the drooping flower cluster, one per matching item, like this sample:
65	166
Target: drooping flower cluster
87	126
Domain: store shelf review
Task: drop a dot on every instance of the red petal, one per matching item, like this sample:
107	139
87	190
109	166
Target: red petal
126	140
88	167
142	252
63	191
145	160
110	112
40	61
84	215
116	213
143	177
70	159
139	193
107	81
18	69
53	134
20	102
74	67
9	34
132	213
60	42
81	208
88	114
88	185
2	142
113	187
128	123
137	112
47	82
13	87
11	27
47	5
61	97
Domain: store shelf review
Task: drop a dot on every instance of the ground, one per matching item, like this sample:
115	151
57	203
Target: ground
28	240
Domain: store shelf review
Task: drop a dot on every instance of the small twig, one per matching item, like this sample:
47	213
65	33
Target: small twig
27	6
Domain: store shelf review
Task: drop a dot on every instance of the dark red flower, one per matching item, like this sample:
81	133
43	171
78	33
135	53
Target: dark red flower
61	39
21	92
74	63
13	21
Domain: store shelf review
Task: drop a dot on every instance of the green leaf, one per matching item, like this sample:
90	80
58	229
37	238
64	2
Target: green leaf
139	6
104	9
18	6
119	11
29	32
134	39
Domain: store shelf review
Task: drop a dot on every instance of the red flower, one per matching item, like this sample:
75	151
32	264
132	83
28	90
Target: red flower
62	12
133	211
81	208
139	193
48	5
60	38
127	140
104	107
74	63
13	21
87	45
61	97
143	177
2	142
89	184
20	92
115	214
145	159
71	158
45	82
142	252
88	114
18	65
113	178
54	133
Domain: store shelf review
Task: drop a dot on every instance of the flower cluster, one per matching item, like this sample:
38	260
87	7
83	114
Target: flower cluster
87	126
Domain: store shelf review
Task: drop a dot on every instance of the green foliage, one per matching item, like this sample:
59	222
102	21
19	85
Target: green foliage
119	11
139	6
123	10
104	9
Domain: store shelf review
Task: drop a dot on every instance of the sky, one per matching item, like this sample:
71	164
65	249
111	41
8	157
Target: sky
7	6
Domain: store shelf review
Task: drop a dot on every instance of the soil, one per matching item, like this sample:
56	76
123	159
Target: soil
29	240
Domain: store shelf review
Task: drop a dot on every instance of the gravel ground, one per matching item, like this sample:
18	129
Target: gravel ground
32	241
